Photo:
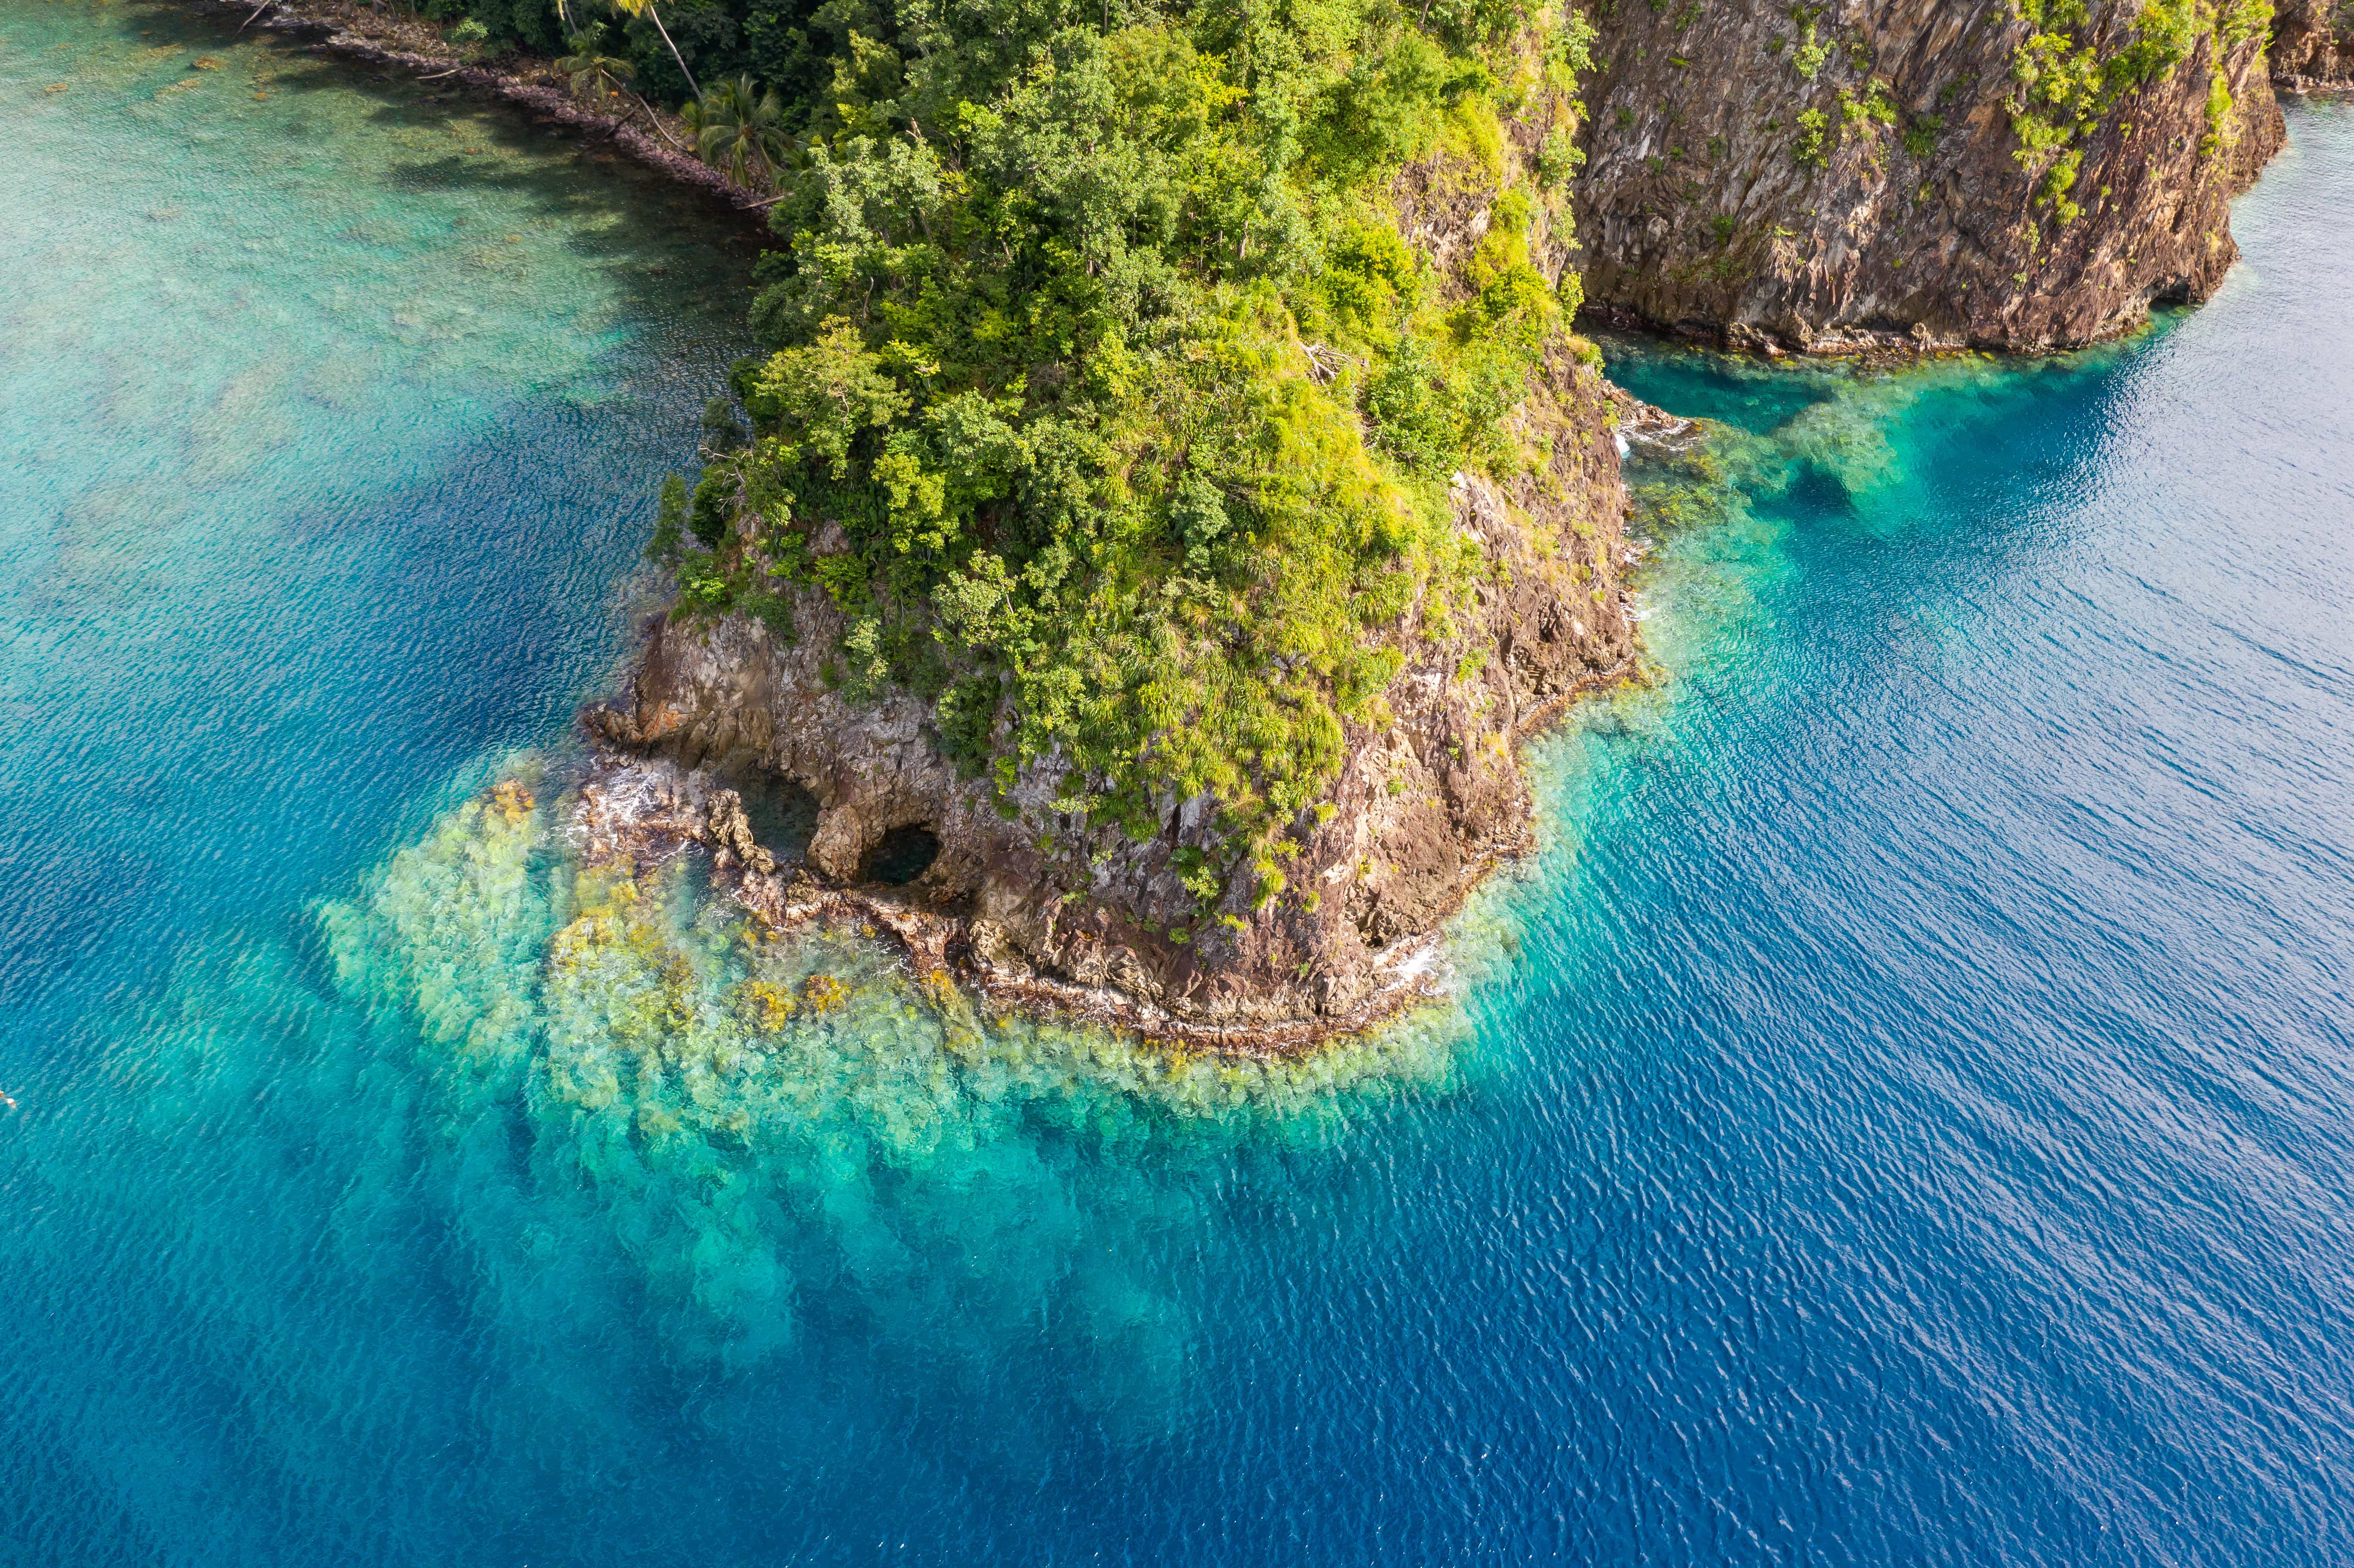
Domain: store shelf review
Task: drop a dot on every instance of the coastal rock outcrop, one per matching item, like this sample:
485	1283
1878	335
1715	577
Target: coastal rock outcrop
2313	45
2001	174
1045	905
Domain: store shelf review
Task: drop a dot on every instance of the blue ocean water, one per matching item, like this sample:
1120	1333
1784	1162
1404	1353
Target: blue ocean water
1905	1115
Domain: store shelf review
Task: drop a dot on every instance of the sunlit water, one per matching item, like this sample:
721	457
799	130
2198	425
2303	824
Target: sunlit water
1905	1114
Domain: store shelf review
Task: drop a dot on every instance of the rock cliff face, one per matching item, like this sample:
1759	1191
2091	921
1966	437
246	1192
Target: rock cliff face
1422	807
1812	176
2313	44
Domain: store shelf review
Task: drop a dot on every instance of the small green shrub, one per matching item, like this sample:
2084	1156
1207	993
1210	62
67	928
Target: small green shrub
1814	125
1559	157
1810	54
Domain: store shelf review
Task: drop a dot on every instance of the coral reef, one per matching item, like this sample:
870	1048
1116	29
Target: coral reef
776	1121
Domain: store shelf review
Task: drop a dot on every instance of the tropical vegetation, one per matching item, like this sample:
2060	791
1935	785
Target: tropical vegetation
1106	387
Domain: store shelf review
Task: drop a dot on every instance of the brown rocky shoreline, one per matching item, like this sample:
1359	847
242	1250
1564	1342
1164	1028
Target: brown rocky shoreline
647	811
630	806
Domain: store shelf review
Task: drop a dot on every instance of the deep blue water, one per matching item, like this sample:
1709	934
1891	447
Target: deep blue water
1905	1115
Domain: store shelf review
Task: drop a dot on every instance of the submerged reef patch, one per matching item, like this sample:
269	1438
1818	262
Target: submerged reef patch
787	1126
1794	425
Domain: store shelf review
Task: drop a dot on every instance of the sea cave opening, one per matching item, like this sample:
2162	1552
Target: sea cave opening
782	812
900	856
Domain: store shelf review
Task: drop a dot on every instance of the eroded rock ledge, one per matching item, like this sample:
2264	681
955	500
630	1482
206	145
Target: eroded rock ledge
1043	911
645	811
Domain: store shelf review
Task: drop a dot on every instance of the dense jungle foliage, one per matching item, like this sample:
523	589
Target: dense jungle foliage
788	45
1101	388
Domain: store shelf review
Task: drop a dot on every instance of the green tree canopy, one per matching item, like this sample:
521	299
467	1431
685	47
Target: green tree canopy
1104	392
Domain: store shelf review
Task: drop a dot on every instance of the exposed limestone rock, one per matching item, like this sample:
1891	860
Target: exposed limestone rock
1825	177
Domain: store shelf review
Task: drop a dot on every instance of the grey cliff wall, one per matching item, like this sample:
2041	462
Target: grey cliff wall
1799	176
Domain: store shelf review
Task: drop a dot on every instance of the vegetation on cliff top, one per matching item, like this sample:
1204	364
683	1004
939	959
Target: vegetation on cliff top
1105	394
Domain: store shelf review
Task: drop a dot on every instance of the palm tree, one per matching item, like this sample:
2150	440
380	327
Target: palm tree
640	8
740	130
594	72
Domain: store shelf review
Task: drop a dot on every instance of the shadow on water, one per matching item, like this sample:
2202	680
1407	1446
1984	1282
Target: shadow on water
562	170
900	855
782	813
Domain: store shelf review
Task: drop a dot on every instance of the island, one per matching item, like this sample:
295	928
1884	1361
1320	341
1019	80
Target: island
1171	479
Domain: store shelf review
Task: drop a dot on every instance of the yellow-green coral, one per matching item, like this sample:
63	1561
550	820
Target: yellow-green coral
765	1005
823	993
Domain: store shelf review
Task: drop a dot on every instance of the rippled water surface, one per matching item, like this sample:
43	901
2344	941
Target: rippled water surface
1905	1114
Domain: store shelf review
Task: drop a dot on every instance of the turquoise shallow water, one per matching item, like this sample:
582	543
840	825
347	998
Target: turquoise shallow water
329	416
1903	1115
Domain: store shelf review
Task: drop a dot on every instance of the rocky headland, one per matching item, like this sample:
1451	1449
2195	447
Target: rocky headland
1047	631
1039	908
